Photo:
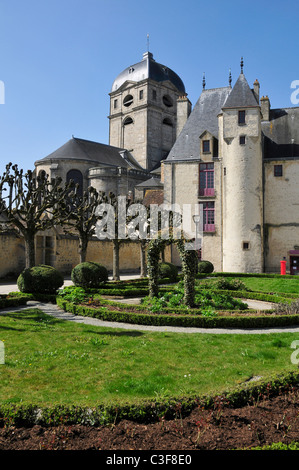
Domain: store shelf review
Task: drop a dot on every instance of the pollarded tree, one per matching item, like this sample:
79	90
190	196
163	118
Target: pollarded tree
78	212
30	204
112	225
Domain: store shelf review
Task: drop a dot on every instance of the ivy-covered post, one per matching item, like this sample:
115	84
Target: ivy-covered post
153	257
189	261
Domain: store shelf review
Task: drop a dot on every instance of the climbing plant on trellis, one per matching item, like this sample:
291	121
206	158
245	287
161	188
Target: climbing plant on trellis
188	258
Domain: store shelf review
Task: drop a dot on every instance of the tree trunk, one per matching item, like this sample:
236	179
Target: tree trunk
29	251
116	245
143	258
83	249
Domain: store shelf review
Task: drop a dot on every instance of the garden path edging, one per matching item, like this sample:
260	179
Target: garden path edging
54	311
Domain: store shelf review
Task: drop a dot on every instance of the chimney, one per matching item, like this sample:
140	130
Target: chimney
265	108
256	90
183	112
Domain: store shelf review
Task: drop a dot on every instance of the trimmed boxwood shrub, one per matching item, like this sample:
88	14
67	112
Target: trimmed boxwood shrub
89	274
168	270
205	267
40	279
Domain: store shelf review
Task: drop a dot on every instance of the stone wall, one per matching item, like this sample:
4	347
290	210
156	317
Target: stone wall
63	253
12	254
281	212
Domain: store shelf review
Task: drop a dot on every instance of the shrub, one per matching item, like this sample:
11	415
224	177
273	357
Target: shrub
229	284
286	308
40	279
74	294
89	274
168	270
205	267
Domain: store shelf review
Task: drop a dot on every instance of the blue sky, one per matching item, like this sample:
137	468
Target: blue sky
58	59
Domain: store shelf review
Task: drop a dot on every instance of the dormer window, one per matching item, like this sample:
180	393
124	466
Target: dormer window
206	146
241	117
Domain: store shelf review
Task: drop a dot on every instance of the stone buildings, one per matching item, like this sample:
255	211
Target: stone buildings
239	160
231	154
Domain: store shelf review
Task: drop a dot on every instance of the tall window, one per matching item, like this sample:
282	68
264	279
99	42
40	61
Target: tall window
77	177
241	117
209	217
206	179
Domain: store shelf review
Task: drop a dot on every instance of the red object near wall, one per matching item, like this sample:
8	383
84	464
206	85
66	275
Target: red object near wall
283	267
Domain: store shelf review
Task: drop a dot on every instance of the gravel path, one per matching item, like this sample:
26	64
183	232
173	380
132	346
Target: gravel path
55	311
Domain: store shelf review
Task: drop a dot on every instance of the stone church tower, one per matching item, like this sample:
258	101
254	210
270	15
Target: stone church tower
143	111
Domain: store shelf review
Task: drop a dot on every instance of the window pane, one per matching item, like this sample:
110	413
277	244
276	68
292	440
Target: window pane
206	146
277	170
241	117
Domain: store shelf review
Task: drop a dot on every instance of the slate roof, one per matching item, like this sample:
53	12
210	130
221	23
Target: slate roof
150	183
282	127
148	68
93	152
202	118
241	96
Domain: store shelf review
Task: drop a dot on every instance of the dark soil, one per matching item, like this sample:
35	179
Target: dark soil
266	421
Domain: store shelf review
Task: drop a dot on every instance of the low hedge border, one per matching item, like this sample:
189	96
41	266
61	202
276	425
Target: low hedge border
272	298
191	321
147	411
7	301
265	275
17	299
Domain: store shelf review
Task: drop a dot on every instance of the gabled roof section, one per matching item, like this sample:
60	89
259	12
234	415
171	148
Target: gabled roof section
94	152
204	117
241	95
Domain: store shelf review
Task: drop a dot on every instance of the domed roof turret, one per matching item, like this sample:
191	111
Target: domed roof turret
148	68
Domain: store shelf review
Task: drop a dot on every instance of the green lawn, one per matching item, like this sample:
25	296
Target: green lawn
272	285
48	361
260	284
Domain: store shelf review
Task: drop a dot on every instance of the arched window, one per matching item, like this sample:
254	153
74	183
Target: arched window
128	120
77	177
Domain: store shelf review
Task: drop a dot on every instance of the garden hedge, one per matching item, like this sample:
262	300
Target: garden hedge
41	279
191	321
89	274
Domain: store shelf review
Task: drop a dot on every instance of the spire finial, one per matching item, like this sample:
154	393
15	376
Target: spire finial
242	64
204	81
147	40
230	78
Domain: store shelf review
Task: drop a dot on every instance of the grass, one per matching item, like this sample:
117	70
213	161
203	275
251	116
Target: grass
49	361
276	285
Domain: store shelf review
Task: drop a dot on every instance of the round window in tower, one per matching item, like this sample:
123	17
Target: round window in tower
128	100
167	101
